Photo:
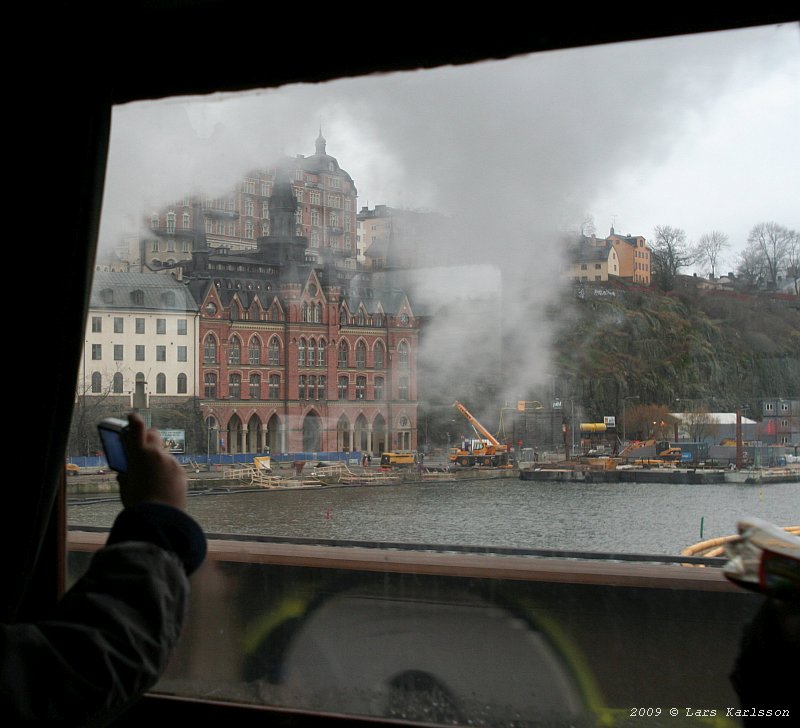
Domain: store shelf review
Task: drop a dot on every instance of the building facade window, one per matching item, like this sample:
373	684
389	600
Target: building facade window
161	383
235	386
210	350
301	387
274	352
182	328
97	383
182	388
97	325
183	353
139	325
403	355
274	386
378	388
254	351
402	388
343	387
235	351
343	352
161	353
97	352
321	381
255	386
139	352
119	350
378	355
161	326
321	358
361	387
301	353
119	325
361	355
117	383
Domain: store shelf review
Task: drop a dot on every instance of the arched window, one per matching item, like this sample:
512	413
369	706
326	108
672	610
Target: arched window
210	350
361	318
117	383
342	317
402	354
343	387
318	313
274	386
161	383
210	386
321	388
344	350
254	351
321	358
235	351
304	312
301	353
274	352
255	386
97	383
182	384
361	387
235	386
379	388
301	387
312	346
312	386
378	355
361	355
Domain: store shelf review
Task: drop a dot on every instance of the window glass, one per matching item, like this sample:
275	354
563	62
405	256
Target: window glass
583	314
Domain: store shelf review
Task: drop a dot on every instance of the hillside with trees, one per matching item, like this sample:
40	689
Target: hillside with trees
722	351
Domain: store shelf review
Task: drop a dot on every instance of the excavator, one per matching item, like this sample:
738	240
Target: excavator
484	449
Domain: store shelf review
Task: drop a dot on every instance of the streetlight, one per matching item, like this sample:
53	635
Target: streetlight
557	405
624	420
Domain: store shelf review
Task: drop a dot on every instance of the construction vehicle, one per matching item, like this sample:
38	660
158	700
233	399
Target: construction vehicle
398	459
484	449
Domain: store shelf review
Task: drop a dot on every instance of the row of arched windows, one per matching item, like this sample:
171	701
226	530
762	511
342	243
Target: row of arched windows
310	353
308	387
254	391
118	383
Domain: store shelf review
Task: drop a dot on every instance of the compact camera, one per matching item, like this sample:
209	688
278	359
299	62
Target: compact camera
111	432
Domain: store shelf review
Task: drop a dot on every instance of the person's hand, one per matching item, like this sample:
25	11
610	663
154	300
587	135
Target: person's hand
153	474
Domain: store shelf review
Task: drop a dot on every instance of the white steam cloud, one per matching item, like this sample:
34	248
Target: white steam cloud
515	152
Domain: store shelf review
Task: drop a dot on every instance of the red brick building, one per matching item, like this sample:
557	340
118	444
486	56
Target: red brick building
299	351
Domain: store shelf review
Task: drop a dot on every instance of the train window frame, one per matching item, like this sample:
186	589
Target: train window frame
391	57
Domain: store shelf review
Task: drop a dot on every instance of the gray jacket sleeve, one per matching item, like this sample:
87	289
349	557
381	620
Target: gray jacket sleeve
109	638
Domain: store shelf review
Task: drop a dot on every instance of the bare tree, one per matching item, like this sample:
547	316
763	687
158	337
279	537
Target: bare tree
773	244
750	266
793	264
670	252
700	425
710	247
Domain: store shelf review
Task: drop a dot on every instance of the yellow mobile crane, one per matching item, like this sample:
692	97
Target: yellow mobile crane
484	449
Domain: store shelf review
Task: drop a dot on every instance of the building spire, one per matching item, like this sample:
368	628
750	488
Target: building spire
320	143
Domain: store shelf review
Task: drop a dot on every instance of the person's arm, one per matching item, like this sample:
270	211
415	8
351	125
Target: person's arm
112	634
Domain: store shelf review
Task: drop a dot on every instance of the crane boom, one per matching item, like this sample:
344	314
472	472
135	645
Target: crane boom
477	426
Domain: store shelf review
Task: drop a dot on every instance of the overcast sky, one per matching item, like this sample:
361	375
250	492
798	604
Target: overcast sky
697	132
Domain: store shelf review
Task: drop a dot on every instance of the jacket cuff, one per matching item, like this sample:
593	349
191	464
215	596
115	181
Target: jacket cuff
165	526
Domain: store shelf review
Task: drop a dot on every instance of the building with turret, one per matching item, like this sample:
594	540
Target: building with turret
298	353
325	215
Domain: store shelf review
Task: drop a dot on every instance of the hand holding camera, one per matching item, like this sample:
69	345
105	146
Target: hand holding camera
145	471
